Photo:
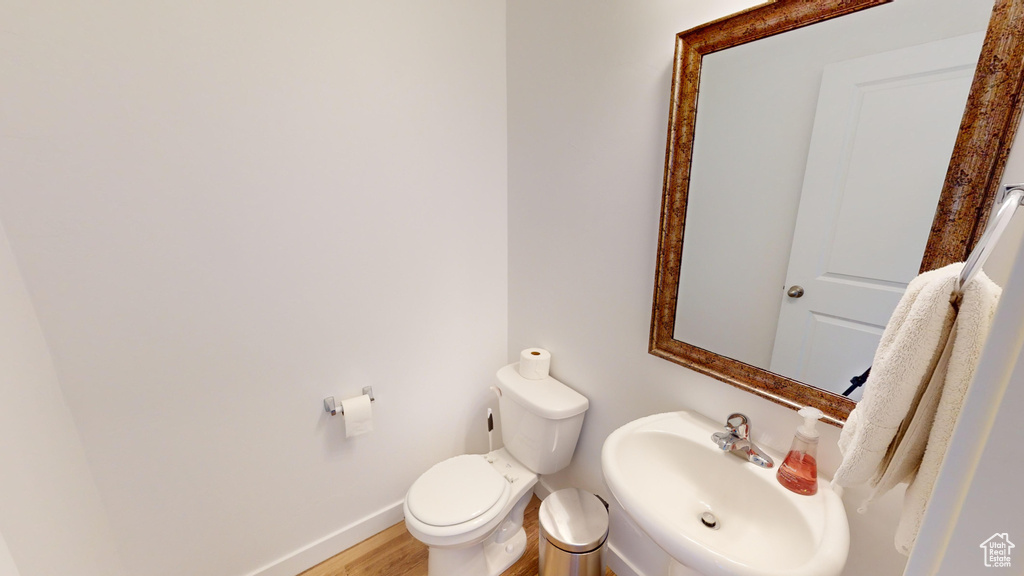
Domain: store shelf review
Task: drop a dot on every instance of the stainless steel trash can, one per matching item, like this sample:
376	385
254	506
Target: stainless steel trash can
573	530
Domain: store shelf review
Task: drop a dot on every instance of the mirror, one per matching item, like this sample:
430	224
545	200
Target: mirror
790	190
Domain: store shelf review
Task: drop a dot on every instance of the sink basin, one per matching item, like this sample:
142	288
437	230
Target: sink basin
665	472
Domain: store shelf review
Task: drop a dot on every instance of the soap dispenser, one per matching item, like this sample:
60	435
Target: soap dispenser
799	471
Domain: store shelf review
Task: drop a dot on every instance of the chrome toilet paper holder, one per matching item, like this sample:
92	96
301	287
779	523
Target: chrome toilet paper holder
334	409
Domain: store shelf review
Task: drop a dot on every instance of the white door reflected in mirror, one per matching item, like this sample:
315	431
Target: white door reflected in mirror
854	258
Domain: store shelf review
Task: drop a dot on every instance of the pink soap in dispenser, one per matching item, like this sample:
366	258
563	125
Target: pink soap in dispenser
799	471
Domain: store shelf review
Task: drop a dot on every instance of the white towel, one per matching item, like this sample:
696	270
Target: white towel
907	354
925	361
907	449
973	323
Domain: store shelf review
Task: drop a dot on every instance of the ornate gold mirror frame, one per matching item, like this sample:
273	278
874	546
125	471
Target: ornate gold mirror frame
972	180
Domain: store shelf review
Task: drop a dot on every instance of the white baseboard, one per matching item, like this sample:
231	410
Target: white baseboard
542	489
618	563
348	536
332	544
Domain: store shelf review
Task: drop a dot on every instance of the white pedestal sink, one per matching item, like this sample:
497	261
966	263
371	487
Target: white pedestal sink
665	472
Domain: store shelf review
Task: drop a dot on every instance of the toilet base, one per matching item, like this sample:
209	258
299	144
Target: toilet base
488	558
502	556
485	559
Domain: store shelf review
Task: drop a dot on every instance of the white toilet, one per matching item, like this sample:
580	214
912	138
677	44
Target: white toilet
469	509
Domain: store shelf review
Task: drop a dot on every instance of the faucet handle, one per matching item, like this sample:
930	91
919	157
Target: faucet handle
738	424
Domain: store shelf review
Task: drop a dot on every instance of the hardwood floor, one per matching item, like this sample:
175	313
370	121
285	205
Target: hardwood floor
394	552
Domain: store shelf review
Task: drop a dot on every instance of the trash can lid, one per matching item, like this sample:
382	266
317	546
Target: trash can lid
574	520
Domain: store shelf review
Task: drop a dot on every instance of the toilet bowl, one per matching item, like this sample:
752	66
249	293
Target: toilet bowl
469	509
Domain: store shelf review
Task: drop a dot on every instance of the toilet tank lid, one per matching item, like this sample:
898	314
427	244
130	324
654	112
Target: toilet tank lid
546	397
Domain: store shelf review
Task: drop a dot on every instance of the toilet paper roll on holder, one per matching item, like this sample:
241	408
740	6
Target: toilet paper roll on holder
334	409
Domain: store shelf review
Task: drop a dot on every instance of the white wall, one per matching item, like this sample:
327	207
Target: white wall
588	105
51	517
7	567
989	504
1001	261
227	211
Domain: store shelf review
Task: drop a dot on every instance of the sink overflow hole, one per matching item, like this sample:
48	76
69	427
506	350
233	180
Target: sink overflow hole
709	520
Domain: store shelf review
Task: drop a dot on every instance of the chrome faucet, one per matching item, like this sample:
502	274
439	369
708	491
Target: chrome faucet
736	438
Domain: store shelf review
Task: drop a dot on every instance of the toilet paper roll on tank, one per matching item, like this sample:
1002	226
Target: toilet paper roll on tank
534	363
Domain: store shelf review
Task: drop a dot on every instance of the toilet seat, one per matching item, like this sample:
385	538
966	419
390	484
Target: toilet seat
460	490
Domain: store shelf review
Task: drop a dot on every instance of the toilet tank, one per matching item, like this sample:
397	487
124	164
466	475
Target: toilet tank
540	420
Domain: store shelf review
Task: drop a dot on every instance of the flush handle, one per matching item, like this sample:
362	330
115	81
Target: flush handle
795	291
